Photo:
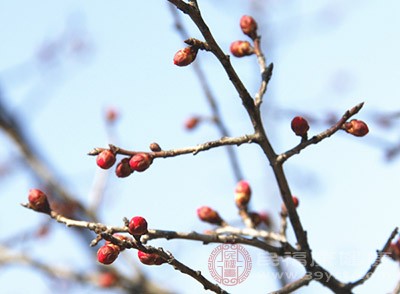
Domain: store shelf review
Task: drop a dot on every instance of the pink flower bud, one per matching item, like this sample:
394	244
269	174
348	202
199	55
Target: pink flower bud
111	114
209	215
248	26
241	48
106	159
108	253
356	127
140	162
38	201
150	258
123	168
191	123
300	126
138	226
242	194
185	56
107	279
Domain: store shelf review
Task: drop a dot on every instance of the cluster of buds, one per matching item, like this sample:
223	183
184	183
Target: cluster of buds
209	215
185	56
296	203
243	48
356	127
300	126
242	194
138	162
38	201
150	258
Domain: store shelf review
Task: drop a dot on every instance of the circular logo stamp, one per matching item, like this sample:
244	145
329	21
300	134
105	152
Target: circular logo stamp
229	264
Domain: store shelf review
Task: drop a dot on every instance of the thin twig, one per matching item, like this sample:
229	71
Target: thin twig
225	141
289	288
318	138
378	260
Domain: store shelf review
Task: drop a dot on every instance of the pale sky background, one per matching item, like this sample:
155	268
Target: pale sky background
328	56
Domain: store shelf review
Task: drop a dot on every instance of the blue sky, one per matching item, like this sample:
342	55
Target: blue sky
328	57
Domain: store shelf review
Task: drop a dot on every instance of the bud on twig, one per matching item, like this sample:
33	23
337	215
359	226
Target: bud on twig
106	159
150	258
108	253
138	226
356	127
155	147
38	201
300	126
140	162
241	48
123	168
209	215
185	56
242	194
248	26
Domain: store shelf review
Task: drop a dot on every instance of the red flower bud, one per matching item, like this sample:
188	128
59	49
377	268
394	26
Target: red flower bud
106	159
356	127
394	250
296	203
300	126
209	215
248	26
242	194
138	226
185	56
123	168
38	201
241	48
150	258
108	253
140	162
107	279
192	122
